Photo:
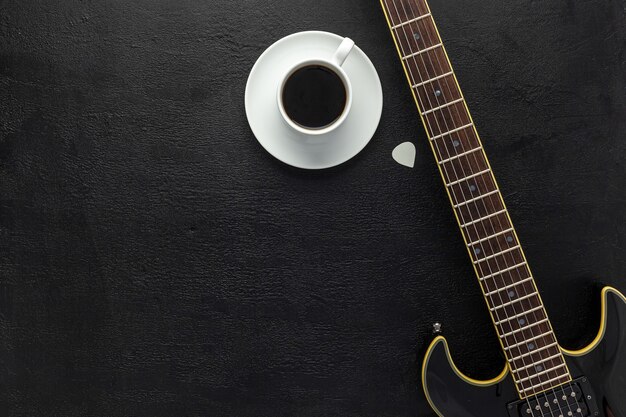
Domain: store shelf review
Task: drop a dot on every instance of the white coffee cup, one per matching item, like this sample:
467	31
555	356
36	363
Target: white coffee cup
334	64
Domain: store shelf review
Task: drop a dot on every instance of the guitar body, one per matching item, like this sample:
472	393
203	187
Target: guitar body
600	369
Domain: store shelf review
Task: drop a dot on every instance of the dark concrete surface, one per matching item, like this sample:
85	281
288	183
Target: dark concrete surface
156	261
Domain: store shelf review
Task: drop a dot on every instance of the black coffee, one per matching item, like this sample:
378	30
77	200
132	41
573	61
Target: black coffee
314	97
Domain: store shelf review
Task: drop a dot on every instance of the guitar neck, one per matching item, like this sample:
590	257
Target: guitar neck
509	289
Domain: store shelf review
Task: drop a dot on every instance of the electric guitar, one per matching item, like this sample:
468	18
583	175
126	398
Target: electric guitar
540	378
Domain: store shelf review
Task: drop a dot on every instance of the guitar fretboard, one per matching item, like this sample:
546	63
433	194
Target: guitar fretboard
533	354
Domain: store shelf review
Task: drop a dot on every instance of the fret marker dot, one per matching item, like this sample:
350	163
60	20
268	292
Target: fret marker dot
476	251
456	143
511	294
522	322
569	413
539	368
417	36
531	346
437	93
472	188
509	239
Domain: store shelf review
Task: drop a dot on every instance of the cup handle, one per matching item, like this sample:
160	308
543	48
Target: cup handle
343	51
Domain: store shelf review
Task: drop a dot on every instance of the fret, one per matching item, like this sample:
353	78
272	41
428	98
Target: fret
483	218
486	258
517	300
423	83
473	200
519	315
479	209
530	326
540	373
457	170
452	131
438	92
512	280
550	346
535	363
525	342
401	11
485	226
457	156
550	381
443	121
468	177
453	141
394	27
529	370
443	106
503	271
489	237
513	258
511	283
414	54
508	287
536	356
425	62
527	318
417	19
419	39
416	35
494	242
541	349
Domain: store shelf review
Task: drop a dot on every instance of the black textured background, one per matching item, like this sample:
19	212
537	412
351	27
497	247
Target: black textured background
156	261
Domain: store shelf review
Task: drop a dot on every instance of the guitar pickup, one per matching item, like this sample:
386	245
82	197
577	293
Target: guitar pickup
574	399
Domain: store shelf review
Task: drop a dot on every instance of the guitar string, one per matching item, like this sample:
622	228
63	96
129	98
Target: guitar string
475	204
427	120
475	182
497	314
543	360
549	363
484	204
546	362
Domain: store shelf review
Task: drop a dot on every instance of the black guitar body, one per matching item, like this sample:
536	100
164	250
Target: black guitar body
598	371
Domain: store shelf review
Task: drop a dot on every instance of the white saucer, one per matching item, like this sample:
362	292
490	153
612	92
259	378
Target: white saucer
298	149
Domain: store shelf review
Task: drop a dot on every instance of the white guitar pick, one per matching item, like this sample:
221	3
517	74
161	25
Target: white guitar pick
404	154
